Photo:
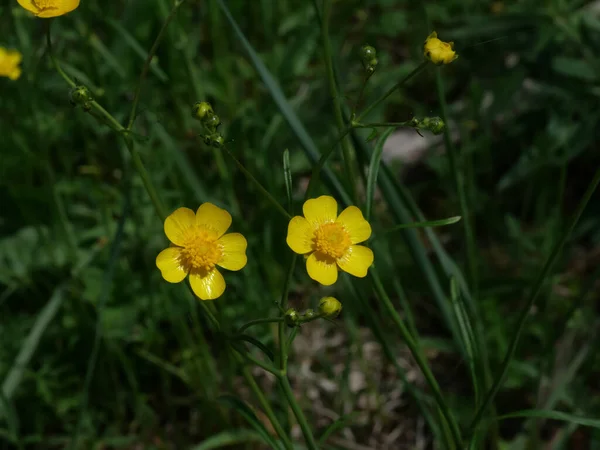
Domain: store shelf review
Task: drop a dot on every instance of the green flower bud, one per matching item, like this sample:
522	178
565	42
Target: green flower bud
330	307
368	56
434	124
80	95
367	53
308	315
211	121
217	141
291	318
201	109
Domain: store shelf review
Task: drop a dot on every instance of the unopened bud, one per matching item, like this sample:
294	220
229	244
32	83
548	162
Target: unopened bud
291	318
368	56
434	124
80	95
330	307
201	109
211	121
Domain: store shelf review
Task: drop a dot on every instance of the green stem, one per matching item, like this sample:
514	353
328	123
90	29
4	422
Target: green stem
304	426
260	187
415	72
93	104
264	403
360	94
416	353
143	173
258	322
347	151
382	124
265	366
537	287
146	67
458	185
283	306
314	177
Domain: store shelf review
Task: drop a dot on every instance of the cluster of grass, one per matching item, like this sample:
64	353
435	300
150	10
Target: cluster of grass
97	351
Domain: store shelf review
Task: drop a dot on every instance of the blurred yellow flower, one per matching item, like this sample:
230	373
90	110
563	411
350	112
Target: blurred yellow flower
9	63
328	240
49	8
199	244
439	52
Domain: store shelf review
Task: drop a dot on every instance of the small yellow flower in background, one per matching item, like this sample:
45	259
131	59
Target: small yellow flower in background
49	8
9	63
329	241
439	52
199	244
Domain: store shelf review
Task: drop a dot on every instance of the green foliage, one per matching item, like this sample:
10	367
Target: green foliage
98	351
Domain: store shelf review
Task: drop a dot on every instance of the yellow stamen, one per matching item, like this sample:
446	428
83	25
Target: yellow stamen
201	249
332	239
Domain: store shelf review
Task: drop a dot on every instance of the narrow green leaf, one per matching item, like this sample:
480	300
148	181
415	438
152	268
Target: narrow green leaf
340	423
287	173
467	336
374	170
286	110
428	224
553	415
246	412
29	346
247	338
226	438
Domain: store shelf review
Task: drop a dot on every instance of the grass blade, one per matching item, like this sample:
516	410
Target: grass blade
227	438
246	412
552	415
374	170
286	110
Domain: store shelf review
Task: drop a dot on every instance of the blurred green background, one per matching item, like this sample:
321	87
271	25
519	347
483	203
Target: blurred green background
79	235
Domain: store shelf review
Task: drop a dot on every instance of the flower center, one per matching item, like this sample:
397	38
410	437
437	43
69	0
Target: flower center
332	239
44	4
201	249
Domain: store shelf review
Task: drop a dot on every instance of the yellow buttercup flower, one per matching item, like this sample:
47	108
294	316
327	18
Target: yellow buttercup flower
49	8
199	245
9	63
329	241
439	52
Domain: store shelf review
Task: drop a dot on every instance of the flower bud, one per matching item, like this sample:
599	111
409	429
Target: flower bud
291	318
308	315
367	53
211	121
368	56
201	109
434	124
330	307
217	141
80	95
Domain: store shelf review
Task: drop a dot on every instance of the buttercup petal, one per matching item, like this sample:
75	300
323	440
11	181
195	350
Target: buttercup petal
233	246
207	285
214	218
320	210
300	235
177	224
355	224
322	269
49	8
169	263
356	261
